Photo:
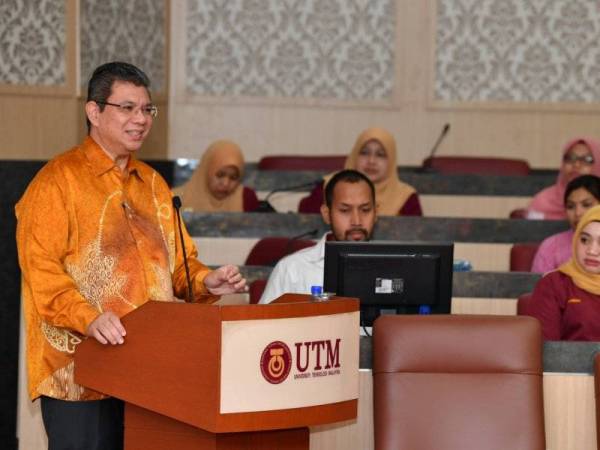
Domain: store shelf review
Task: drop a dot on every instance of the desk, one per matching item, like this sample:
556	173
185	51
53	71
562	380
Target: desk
483	206
228	237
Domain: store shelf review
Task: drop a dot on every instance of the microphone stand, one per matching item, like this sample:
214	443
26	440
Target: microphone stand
190	291
426	167
265	206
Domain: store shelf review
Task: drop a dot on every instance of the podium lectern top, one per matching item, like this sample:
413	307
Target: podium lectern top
221	368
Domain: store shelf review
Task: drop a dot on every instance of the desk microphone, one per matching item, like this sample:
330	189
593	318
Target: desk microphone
177	206
265	206
426	167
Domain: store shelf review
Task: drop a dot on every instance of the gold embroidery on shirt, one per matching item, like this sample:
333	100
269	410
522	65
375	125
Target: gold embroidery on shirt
61	385
171	248
163	289
95	278
94	275
61	339
163	211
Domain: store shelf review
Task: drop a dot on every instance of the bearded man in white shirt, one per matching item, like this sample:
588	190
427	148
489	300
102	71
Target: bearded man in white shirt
351	212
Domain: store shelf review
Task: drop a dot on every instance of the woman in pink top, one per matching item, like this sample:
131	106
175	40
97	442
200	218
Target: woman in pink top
580	195
581	156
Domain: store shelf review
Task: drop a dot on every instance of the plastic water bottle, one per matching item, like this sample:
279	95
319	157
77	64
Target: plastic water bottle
424	309
316	292
462	265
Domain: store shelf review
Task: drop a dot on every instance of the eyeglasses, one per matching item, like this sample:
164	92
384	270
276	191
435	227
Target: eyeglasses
583	159
130	109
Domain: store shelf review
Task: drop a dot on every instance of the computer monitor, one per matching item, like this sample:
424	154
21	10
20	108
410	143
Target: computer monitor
391	277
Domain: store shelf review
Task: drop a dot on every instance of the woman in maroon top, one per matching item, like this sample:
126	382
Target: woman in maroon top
567	301
216	184
374	154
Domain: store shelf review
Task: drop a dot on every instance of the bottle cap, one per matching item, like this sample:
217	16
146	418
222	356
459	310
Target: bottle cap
316	290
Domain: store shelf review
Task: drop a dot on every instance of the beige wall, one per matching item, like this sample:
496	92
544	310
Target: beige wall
36	126
265	126
40	121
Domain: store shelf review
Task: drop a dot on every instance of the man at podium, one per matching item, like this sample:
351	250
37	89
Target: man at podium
350	210
97	237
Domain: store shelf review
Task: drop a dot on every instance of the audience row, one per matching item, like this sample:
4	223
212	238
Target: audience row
216	185
565	300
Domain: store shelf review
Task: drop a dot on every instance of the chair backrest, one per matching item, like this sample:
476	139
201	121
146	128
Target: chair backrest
524	304
458	383
477	165
307	162
597	396
519	213
521	256
268	251
255	290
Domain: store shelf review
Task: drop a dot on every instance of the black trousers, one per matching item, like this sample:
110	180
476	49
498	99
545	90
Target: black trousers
91	425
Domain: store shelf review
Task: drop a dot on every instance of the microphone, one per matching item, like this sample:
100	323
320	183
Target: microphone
265	206
177	206
288	245
426	167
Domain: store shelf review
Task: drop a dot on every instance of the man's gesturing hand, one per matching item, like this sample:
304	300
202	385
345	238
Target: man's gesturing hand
225	280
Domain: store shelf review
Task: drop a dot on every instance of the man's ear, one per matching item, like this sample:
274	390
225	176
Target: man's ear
92	110
325	214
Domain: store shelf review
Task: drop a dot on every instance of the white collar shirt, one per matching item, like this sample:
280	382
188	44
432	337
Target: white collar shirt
296	273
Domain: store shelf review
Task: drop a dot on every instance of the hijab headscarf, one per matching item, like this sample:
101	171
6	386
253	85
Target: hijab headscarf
550	201
390	193
583	279
196	194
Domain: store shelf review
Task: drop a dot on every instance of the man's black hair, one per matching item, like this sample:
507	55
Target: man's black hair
590	183
346	176
101	82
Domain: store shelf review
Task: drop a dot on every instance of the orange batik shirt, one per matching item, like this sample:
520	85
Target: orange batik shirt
93	238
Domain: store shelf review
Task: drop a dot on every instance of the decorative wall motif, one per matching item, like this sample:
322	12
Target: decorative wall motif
519	51
132	31
32	42
338	49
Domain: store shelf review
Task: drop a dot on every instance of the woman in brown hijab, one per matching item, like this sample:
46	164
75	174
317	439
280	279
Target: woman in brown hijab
216	184
374	154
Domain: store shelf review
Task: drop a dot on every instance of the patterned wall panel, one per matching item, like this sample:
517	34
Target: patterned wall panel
131	31
518	50
32	42
338	49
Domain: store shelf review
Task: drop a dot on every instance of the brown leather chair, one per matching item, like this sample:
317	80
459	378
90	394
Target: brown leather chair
329	163
456	382
524	304
477	165
255	290
268	251
519	213
522	255
597	395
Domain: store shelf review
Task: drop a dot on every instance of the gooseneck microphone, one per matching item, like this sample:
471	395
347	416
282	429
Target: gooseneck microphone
177	206
427	161
265	206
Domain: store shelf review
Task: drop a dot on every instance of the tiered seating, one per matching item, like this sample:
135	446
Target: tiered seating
477	165
307	162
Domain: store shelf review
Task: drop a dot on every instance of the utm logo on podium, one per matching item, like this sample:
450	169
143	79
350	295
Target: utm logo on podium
276	362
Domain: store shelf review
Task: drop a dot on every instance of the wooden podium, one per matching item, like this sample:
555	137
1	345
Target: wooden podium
199	376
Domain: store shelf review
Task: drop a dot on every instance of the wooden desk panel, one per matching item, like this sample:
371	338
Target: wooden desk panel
482	206
218	251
